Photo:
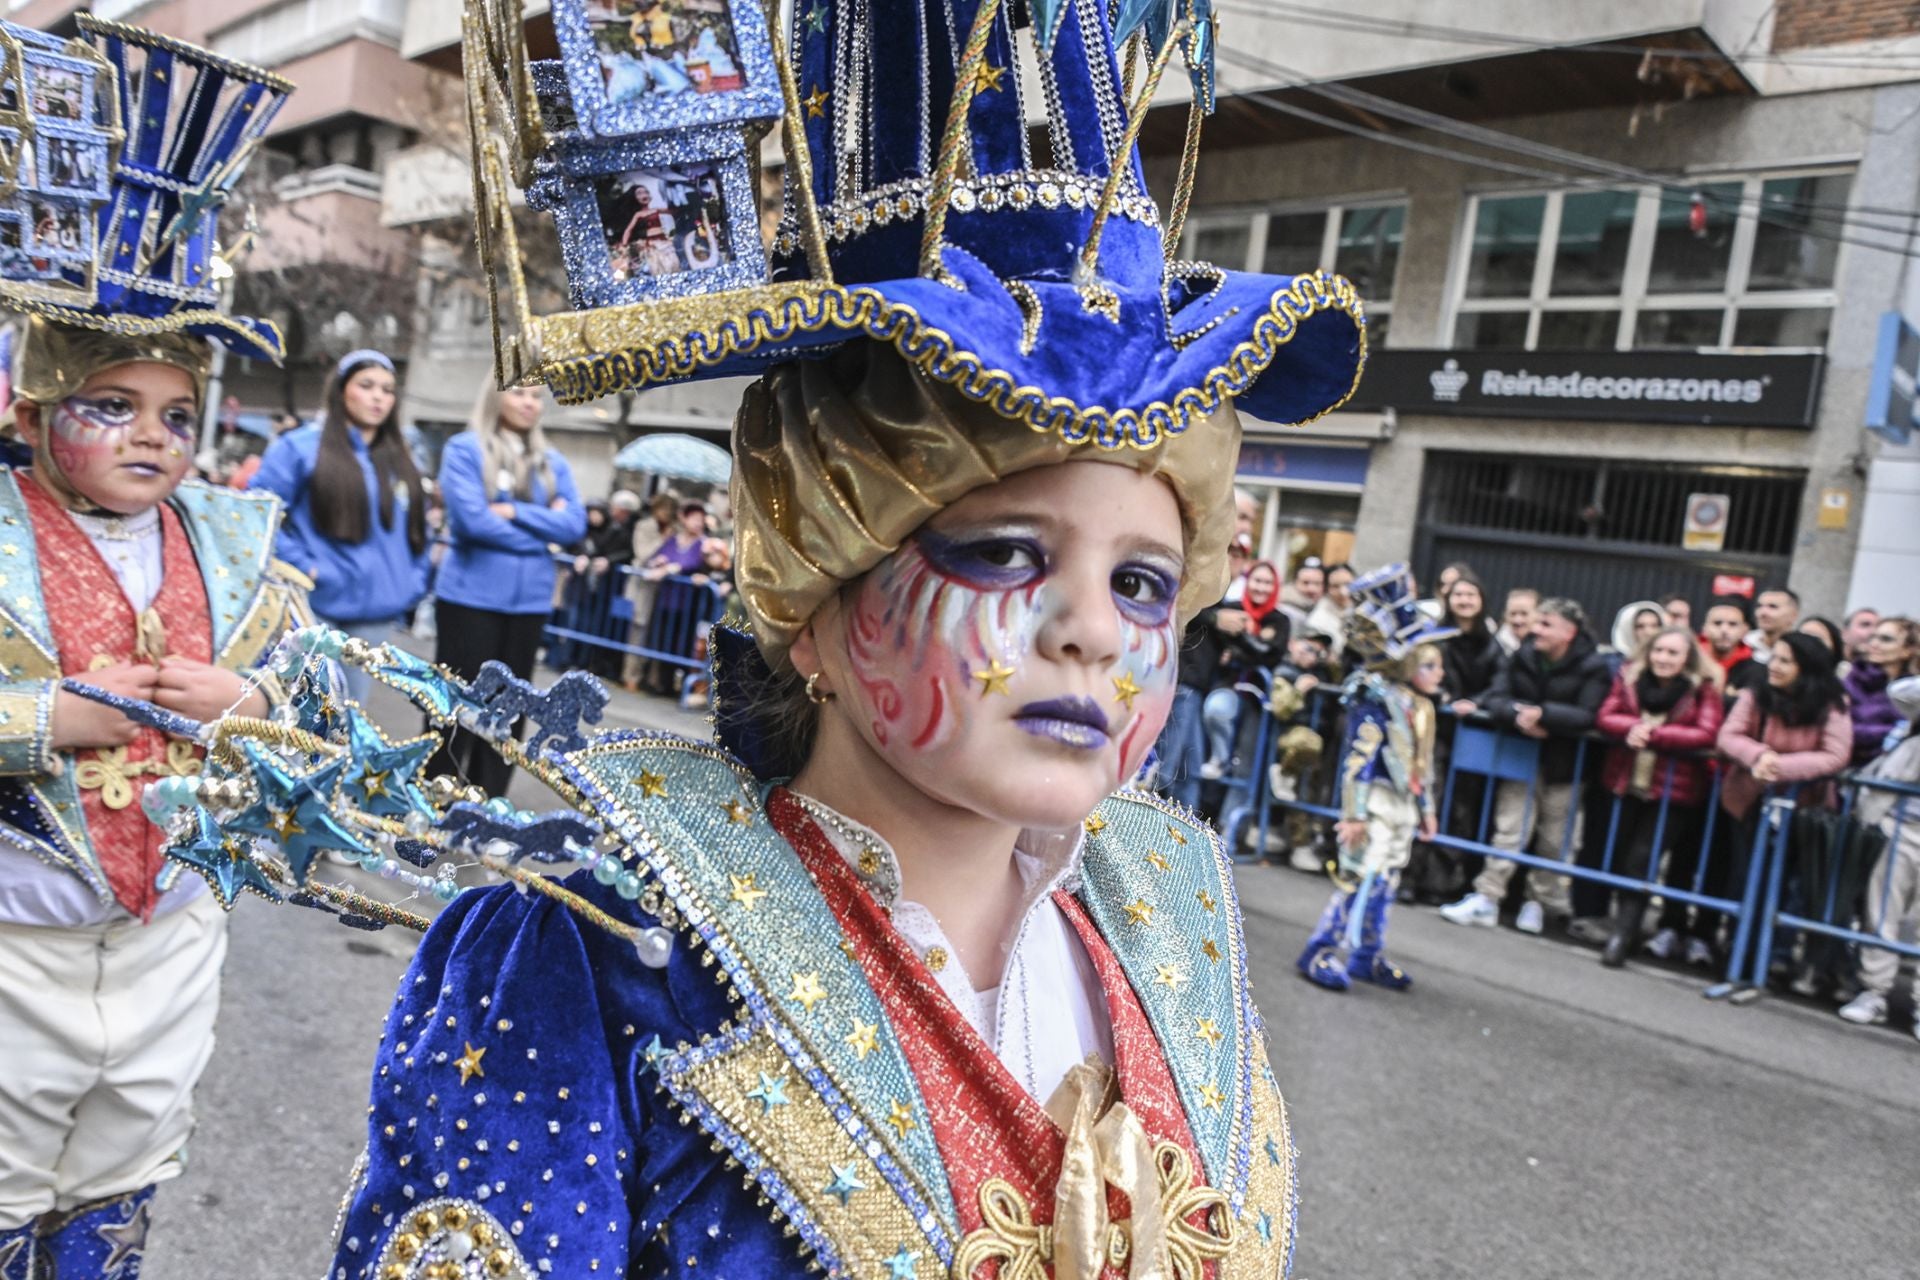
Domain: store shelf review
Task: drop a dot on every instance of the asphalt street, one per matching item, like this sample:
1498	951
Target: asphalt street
1520	1114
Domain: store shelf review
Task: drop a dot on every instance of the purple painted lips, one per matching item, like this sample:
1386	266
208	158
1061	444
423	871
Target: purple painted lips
1072	722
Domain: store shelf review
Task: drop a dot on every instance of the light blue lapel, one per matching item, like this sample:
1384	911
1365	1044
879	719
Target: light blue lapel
22	600
697	818
1159	885
232	532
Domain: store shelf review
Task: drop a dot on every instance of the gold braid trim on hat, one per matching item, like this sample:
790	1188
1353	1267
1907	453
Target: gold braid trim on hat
838	461
54	360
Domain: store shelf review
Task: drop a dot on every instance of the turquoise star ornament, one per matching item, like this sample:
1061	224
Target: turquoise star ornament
380	775
296	810
904	1264
221	859
846	1181
771	1093
424	686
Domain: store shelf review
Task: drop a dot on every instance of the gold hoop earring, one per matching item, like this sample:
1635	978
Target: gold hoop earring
815	694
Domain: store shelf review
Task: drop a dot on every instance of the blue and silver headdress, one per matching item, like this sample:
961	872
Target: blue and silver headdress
1386	621
1023	267
118	150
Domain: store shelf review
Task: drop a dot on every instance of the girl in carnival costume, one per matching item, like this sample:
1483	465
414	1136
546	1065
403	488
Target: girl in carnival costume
121	573
1386	779
896	984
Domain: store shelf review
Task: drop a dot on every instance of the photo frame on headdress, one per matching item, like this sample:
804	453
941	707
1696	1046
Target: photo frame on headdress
645	66
656	218
58	131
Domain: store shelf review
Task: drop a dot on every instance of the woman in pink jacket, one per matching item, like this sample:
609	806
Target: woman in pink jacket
1794	729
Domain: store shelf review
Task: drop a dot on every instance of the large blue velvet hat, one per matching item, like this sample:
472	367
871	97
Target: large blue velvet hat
125	145
1386	620
1027	266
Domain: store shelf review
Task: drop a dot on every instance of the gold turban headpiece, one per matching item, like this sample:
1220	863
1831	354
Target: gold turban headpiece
53	360
838	461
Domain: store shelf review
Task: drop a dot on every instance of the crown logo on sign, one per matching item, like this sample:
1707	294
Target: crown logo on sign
1448	380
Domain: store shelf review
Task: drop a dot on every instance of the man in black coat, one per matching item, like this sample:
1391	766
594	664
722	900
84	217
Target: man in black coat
1549	689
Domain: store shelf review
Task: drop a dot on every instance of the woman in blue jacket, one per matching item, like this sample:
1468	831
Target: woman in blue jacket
509	500
356	519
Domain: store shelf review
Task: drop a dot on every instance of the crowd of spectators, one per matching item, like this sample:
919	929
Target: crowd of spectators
1648	749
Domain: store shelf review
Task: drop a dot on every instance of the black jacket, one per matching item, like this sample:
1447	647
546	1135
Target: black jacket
1568	693
1200	651
1472	661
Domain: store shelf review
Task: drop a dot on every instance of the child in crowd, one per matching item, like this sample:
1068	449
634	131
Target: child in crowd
1385	779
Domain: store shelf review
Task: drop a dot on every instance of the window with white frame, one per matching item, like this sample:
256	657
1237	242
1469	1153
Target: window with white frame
1744	261
1359	240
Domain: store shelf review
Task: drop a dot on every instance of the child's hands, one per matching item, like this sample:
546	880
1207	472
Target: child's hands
1350	832
78	722
202	692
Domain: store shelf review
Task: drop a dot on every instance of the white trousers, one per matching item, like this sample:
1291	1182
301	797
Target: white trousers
104	1031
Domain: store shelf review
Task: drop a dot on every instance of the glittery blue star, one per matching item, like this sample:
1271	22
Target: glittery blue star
903	1264
424	686
380	778
127	1240
295	810
845	1182
817	19
1273	1150
771	1093
653	1052
222	861
314	706
1264	1225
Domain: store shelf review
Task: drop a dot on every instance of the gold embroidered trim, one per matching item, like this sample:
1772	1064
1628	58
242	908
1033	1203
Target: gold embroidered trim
112	774
597	353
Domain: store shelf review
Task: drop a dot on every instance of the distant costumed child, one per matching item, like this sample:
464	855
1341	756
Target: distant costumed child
1386	779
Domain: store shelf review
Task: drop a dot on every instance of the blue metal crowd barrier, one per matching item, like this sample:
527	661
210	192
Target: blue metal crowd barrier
1500	755
596	612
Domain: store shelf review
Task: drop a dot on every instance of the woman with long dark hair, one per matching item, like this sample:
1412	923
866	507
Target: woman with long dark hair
1473	656
356	518
1892	653
510	501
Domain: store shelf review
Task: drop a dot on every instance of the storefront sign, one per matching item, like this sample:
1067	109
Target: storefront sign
1706	527
1705	388
1733	584
1315	464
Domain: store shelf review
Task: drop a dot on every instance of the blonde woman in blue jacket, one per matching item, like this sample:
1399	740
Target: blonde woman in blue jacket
510	499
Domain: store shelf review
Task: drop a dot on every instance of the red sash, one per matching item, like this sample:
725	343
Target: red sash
984	1123
94	626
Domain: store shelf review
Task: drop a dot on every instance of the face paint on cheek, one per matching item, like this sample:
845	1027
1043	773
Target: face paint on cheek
1149	659
82	433
915	638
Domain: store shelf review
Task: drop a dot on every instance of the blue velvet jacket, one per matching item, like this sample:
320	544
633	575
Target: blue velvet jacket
544	1103
1389	740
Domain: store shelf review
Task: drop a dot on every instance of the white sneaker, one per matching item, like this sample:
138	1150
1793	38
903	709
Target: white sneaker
1532	919
1700	953
1868	1009
1305	859
1281	783
1663	944
1213	771
1475	908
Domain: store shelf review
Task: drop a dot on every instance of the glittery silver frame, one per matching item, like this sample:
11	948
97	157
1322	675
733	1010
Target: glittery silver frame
656	113
37	59
79	134
583	241
25	188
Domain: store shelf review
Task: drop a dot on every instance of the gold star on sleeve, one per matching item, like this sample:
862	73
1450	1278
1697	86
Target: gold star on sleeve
863	1039
899	1117
1139	911
469	1063
1210	1096
807	990
652	785
1208	1030
746	892
1169	975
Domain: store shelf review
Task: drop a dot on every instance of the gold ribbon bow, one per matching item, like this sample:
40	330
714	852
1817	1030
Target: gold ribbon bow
112	774
1106	1146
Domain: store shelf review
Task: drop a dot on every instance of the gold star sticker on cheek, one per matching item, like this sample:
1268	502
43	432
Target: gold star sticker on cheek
746	892
1211	1097
1211	950
651	784
900	1118
1158	861
469	1063
994	678
863	1039
737	813
1139	911
1206	1029
1124	689
816	102
807	990
1169	975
